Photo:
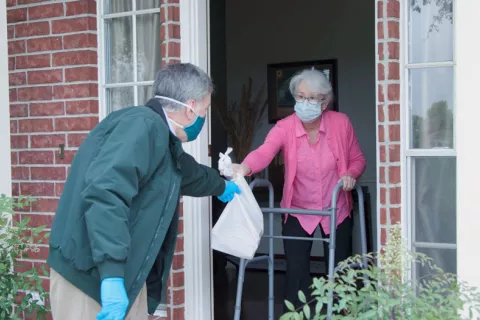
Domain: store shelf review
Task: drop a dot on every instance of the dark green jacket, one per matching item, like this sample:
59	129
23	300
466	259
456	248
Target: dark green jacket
118	213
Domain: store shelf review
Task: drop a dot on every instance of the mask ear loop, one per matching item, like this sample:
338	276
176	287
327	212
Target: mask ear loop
176	101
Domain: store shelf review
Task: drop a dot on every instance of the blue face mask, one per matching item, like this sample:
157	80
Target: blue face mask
192	130
195	128
307	111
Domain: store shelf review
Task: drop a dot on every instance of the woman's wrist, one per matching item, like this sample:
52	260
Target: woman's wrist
246	169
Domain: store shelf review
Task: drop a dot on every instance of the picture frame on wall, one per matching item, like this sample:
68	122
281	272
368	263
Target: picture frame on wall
280	100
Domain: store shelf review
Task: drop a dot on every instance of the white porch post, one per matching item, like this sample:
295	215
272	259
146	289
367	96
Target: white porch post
5	160
467	141
196	211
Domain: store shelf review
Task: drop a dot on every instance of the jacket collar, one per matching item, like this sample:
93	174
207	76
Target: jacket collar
174	142
156	106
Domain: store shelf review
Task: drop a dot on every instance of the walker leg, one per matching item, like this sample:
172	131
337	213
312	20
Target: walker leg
331	268
331	260
271	272
238	300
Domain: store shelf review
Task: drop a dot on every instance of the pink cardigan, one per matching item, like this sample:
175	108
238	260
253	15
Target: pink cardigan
342	141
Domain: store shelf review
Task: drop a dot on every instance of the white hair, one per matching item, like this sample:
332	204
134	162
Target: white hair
182	82
315	80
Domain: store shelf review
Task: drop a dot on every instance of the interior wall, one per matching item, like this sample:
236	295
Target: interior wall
274	31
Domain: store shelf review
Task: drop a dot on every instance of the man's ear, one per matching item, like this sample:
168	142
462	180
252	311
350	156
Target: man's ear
189	111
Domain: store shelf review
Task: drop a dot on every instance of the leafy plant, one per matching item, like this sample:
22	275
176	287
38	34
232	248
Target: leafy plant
241	120
21	290
388	292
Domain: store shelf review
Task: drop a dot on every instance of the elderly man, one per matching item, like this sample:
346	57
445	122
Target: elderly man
114	232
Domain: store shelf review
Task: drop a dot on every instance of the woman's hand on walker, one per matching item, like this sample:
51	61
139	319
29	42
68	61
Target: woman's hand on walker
348	182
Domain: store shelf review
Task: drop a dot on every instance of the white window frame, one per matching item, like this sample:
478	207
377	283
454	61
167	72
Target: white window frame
5	160
103	68
408	154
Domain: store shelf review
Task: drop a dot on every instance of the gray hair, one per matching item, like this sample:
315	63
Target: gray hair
315	80
182	82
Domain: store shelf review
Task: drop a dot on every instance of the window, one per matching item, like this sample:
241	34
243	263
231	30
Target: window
130	36
129	51
430	132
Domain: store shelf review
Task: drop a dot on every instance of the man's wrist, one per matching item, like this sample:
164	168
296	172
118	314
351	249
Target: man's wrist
111	269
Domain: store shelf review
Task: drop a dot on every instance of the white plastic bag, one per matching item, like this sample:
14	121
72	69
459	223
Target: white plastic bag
239	229
225	164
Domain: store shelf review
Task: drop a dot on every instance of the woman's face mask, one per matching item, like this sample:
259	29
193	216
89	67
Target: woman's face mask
192	130
308	111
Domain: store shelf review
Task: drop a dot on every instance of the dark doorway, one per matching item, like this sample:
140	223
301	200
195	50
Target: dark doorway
245	37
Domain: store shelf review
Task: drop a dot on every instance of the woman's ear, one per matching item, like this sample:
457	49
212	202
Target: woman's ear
327	103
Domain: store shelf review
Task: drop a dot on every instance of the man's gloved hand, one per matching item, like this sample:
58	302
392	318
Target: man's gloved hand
230	189
114	299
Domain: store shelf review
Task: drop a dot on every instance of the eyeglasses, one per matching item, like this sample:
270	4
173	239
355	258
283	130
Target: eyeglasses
315	100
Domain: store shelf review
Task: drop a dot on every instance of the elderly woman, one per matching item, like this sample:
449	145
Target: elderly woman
320	149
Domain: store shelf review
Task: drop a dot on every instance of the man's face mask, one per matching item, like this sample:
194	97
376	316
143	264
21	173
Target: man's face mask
192	130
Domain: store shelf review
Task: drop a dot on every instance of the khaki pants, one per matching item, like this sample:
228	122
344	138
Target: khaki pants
70	303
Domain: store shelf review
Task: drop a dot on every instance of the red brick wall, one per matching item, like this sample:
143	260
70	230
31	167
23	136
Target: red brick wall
388	104
54	100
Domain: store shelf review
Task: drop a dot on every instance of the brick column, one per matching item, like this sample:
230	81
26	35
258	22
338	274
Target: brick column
170	37
170	31
53	98
388	104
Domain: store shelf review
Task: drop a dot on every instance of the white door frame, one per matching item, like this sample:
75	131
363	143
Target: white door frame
196	211
467	116
5	160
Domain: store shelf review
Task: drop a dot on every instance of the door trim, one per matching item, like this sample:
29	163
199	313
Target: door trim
196	211
5	160
466	118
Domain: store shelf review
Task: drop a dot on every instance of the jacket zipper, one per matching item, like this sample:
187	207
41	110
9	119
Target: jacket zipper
170	196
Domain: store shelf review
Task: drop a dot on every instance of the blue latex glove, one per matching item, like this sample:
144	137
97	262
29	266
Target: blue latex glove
230	189
114	299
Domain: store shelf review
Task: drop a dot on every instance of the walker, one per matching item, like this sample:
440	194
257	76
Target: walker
330	212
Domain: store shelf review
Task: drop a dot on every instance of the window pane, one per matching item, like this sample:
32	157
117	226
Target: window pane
443	258
118	50
430	31
147	4
431	107
149	58
116	6
119	98
144	94
434	199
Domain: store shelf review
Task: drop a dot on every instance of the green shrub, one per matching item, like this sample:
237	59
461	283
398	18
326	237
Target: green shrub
390	292
20	291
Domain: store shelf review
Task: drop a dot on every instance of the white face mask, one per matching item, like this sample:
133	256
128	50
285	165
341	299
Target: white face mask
192	130
307	111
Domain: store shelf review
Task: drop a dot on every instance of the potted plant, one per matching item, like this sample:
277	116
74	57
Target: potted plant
240	120
21	291
389	292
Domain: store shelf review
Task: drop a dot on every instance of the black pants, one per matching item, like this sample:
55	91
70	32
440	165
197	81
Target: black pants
297	255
